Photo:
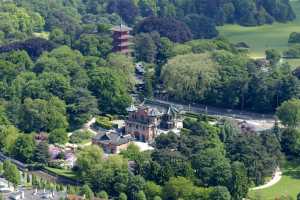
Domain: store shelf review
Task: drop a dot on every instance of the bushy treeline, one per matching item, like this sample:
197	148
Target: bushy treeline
192	18
215	72
62	88
203	162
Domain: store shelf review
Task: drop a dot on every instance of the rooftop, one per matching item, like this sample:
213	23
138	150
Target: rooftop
112	137
35	195
121	28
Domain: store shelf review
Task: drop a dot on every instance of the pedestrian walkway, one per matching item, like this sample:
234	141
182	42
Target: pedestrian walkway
276	178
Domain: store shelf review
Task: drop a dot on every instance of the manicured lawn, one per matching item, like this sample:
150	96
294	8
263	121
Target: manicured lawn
63	172
288	185
263	37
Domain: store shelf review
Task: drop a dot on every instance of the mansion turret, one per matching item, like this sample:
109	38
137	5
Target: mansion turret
143	122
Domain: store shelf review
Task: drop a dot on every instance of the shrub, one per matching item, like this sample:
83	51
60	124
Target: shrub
80	136
103	122
294	37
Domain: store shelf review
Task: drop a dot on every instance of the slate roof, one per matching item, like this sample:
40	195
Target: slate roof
132	108
112	137
154	112
162	108
121	28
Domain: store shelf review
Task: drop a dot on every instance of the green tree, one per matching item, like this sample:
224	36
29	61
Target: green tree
58	136
24	148
187	77
103	195
93	45
289	113
290	142
3	116
122	196
132	152
41	154
110	89
88	159
263	150
141	196
41	115
55	84
152	190
17	22
86	190
20	58
11	173
148	85
294	37
81	106
212	167
298	196
177	188
1	168
145	48
59	37
239	183
273	56
201	26
164	49
136	184
220	193
124	65
8	137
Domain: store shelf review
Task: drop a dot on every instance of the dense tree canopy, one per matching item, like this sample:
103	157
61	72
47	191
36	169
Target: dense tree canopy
111	90
167	27
57	71
232	79
17	22
289	113
188	76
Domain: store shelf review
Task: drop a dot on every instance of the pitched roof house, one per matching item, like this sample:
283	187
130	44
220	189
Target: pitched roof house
112	141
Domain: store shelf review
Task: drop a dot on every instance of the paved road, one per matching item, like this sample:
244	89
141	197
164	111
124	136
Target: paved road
258	121
210	110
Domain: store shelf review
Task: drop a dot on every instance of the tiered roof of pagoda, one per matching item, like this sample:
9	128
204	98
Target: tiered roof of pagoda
121	28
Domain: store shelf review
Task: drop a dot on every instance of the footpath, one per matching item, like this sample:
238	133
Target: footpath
275	179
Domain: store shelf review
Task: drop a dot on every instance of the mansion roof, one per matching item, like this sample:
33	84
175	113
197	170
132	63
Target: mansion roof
112	137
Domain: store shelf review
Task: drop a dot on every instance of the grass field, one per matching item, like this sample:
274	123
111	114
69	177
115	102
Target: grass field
288	185
260	38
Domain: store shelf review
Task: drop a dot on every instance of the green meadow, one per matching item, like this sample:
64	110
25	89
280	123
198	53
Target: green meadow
260	38
289	185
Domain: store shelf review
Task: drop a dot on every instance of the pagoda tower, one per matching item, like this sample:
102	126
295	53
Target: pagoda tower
121	39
